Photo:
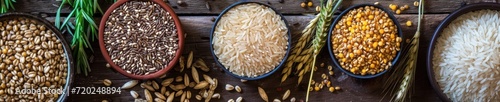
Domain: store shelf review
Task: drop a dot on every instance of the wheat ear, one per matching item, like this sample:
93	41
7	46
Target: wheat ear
405	82
325	17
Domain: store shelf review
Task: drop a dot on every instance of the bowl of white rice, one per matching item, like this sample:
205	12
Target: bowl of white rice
250	40
463	60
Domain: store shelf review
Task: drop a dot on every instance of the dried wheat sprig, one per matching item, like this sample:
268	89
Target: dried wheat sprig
403	79
297	50
324	21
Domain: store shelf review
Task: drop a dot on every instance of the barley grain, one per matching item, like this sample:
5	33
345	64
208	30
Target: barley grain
129	84
239	99
263	94
107	82
134	94
237	88
287	93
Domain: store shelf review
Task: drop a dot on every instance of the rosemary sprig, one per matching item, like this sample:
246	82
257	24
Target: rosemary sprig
6	5
402	78
324	21
84	29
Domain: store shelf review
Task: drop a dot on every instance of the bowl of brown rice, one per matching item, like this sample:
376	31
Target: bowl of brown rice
250	40
463	60
141	39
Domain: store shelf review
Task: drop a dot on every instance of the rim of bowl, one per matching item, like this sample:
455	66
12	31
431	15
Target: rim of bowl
330	47
260	76
158	73
67	50
437	33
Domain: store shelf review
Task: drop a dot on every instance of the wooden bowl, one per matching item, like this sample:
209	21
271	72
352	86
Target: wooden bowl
437	33
159	73
67	49
330	46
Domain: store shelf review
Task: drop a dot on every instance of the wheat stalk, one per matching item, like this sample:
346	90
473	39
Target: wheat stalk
324	20
295	56
403	79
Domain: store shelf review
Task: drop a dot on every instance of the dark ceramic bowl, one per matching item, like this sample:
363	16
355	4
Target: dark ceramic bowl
67	50
170	65
330	46
263	75
437	33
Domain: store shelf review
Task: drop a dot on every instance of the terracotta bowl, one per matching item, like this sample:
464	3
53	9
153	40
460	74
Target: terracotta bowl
148	76
330	46
67	50
437	33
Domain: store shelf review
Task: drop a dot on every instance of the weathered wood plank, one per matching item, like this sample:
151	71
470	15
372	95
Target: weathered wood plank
198	7
198	29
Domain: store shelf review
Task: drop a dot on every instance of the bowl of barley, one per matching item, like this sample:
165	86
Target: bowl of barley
365	41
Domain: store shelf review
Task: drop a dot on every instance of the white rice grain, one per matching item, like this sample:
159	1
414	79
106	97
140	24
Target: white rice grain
250	40
467	57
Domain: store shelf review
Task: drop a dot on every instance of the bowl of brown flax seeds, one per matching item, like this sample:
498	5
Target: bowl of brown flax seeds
141	39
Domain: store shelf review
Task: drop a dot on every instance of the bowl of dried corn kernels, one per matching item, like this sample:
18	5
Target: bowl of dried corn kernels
365	41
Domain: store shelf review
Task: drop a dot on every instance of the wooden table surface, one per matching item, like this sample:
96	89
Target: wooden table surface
197	21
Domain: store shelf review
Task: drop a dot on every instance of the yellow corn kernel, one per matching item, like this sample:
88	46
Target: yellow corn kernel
408	23
349	19
351	55
358	15
349	23
398	12
358	52
340	55
374	45
316	88
337	88
381	31
363	72
393	7
303	4
310	4
365	22
331	89
370	16
402	8
381	43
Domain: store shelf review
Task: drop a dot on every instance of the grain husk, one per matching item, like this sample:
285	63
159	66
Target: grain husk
195	75
129	84
148	96
263	94
134	94
107	82
167	81
287	93
201	85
